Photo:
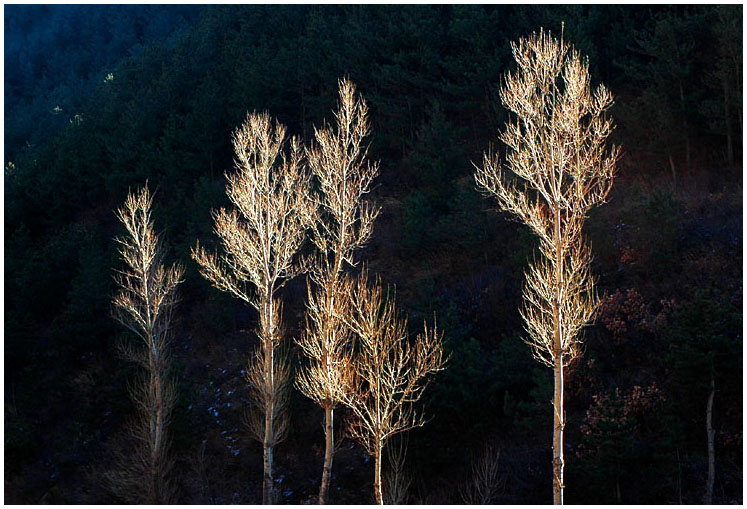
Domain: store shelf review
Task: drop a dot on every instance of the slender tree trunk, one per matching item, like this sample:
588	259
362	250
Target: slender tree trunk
727	120
679	477
328	452
267	451
156	422
377	477
557	437
267	479
711	450
269	407
618	494
558	411
738	91
687	130
157	438
329	429
674	172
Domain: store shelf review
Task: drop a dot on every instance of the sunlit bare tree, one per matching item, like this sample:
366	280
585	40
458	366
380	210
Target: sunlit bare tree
144	303
345	221
261	238
390	372
556	149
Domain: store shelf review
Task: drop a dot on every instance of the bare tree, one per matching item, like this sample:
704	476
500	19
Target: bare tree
261	237
144	304
390	373
485	482
556	148
338	161
396	481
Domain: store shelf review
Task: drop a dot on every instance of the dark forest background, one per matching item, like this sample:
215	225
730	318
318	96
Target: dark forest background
99	99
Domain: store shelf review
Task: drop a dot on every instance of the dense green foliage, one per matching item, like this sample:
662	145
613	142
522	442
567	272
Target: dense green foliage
100	99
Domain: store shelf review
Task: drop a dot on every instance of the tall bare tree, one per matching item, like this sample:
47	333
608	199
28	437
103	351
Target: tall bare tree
390	372
144	303
261	237
338	161
556	149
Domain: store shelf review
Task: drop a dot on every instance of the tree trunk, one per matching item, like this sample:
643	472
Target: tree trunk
557	437
679	477
268	441
674	172
155	423
727	120
377	477
328	452
267	451
157	438
711	452
688	164
558	412
267	479
738	92
618	493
